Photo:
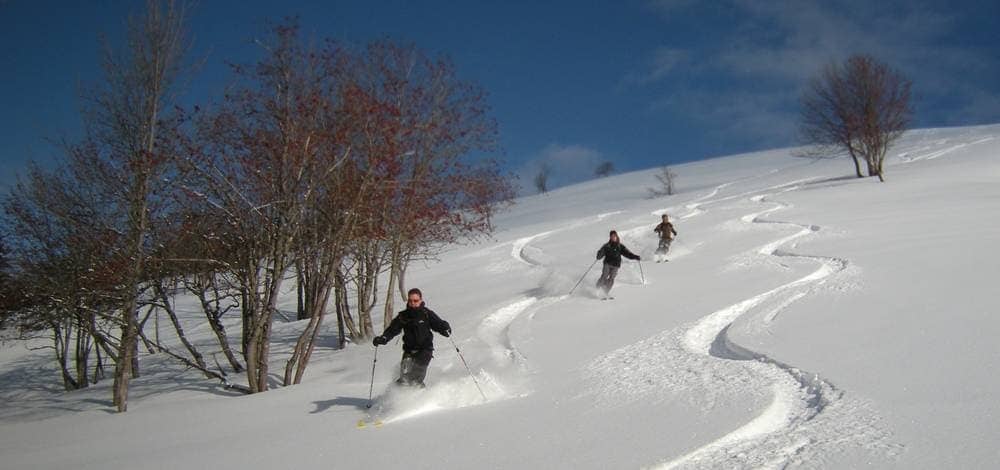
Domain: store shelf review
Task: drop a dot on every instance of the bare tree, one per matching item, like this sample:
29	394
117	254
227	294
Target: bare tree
348	169
433	190
63	278
604	169
408	126
258	164
125	118
666	178
542	178
860	107
195	252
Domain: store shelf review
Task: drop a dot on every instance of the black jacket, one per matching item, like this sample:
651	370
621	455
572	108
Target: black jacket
612	253
416	325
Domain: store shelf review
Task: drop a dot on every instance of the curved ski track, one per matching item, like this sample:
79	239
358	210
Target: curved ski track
806	416
494	330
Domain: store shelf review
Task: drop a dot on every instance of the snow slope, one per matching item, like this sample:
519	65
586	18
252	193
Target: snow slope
806	319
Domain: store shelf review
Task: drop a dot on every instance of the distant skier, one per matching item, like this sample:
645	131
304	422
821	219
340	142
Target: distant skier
417	323
612	252
667	234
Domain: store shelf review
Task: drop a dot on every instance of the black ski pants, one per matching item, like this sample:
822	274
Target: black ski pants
607	277
413	367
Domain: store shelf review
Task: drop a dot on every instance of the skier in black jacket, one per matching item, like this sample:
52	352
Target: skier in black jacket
417	323
612	252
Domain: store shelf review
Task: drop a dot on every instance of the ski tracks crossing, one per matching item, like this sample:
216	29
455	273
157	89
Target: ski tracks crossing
494	329
806	417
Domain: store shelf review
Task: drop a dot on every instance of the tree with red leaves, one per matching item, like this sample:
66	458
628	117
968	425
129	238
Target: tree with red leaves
431	146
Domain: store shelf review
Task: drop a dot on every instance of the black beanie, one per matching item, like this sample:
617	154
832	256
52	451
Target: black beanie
613	233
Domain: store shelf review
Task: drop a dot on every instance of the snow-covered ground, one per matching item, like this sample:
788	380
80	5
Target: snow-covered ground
806	318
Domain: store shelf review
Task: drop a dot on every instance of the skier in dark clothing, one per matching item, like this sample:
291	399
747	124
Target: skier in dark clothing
416	323
612	252
667	234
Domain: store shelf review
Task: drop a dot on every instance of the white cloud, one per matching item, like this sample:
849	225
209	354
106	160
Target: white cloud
568	164
734	116
664	61
746	85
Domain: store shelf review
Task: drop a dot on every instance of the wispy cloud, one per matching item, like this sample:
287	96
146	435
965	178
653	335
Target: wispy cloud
568	164
748	119
664	61
746	84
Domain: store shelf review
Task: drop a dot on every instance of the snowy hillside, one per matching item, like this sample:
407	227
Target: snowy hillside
806	319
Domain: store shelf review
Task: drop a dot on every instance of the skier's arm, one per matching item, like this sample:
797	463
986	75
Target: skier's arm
437	324
600	252
629	254
395	326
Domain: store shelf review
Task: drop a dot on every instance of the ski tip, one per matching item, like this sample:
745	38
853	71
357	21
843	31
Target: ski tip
364	424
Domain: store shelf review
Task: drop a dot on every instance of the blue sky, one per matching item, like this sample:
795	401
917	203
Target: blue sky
640	83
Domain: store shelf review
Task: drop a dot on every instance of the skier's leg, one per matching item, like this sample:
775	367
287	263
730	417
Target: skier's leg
420	362
405	368
607	278
612	273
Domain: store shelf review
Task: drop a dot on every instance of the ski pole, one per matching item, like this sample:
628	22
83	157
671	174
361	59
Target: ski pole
467	369
643	276
372	386
581	277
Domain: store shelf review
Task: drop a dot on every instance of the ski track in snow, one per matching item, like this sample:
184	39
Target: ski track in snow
906	156
806	415
694	207
494	329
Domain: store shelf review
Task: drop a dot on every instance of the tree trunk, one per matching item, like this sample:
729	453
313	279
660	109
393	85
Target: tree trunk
151	346
299	360
98	366
310	346
198	359
259	346
124	366
213	313
390	296
344	308
101	343
404	263
339	299
857	163
247	312
878	163
61	341
367	282
301	280
83	346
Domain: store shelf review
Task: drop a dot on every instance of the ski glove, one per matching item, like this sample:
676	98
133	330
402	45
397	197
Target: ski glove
379	341
446	333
